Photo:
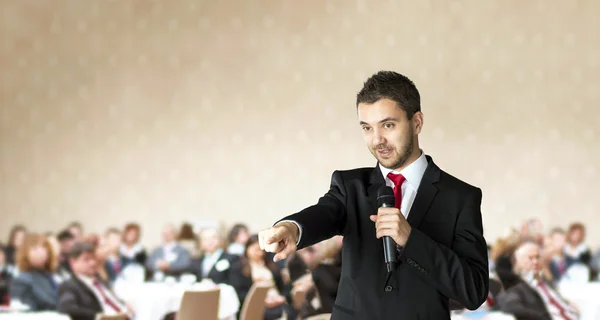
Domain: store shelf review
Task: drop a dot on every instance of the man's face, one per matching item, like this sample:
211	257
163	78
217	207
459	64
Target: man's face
209	240
169	234
527	258
389	135
85	265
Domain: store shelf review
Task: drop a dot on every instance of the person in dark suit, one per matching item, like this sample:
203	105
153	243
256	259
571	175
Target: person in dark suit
214	263
84	296
436	224
528	296
35	285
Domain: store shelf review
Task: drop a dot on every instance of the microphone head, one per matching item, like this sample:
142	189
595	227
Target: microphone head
385	197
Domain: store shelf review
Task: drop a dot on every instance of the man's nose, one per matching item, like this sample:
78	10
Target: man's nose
378	138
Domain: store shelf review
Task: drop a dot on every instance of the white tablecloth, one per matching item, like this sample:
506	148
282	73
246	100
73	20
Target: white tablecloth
586	296
33	316
153	300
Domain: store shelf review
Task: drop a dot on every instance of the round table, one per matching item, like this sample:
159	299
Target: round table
154	300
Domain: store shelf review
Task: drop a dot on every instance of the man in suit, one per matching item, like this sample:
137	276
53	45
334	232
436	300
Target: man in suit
214	263
83	296
531	298
171	258
436	224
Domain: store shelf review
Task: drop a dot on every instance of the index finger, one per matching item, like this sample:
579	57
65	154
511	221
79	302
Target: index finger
277	235
387	210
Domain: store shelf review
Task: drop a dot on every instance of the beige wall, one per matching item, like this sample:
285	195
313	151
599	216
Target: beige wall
161	111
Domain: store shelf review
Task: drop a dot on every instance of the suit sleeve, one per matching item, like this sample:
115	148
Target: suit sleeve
67	304
460	272
21	288
325	219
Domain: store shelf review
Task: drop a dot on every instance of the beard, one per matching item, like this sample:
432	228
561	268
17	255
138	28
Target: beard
400	156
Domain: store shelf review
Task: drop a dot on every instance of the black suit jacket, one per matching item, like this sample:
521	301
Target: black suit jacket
77	300
444	257
523	302
218	274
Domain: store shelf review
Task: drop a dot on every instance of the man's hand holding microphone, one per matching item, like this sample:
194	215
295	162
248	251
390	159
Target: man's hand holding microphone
280	239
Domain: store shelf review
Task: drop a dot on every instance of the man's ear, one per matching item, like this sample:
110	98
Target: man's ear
417	122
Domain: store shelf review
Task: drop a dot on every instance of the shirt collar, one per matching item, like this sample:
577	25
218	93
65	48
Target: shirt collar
413	172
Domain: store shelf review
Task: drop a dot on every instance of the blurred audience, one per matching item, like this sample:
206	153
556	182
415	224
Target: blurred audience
84	296
530	265
171	258
15	240
188	239
238	236
35	285
131	250
256	268
214	263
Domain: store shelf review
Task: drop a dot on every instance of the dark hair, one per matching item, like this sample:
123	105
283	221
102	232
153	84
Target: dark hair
65	235
557	230
235	231
394	86
187	232
246	263
80	248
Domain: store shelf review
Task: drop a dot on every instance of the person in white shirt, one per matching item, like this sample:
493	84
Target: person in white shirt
83	296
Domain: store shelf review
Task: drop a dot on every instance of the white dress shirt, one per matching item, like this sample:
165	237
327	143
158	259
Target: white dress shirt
413	173
551	298
106	309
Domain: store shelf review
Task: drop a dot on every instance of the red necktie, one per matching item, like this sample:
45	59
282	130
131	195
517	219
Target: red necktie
397	179
107	300
556	303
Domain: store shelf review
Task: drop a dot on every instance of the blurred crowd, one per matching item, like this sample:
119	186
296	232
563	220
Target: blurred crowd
53	271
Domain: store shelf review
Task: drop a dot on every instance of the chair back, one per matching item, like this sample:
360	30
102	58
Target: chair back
253	307
196	305
112	317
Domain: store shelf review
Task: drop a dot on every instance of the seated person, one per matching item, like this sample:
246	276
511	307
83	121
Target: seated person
35	285
6	274
171	258
214	263
256	267
131	250
84	296
528	296
238	237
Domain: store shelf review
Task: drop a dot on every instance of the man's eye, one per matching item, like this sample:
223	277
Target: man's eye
388	125
366	128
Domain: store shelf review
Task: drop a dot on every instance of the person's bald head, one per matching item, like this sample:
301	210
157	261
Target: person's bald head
527	257
210	240
169	233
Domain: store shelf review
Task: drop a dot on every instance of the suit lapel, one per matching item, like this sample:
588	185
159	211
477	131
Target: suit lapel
425	194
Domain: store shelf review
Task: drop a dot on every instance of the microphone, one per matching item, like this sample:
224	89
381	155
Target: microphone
385	199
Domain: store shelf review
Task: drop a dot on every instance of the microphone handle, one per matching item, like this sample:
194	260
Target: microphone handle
389	248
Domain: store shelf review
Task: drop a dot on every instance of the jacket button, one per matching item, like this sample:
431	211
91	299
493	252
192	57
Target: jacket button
389	288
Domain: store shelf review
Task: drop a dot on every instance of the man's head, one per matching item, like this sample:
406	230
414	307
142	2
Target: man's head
66	240
169	233
527	259
76	229
210	240
112	239
83	259
389	113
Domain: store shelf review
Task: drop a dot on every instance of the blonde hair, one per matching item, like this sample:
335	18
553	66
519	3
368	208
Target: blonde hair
31	240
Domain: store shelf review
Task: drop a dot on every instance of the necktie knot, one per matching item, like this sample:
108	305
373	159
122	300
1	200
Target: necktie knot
397	179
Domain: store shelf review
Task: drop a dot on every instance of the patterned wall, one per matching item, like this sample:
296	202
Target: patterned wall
165	111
